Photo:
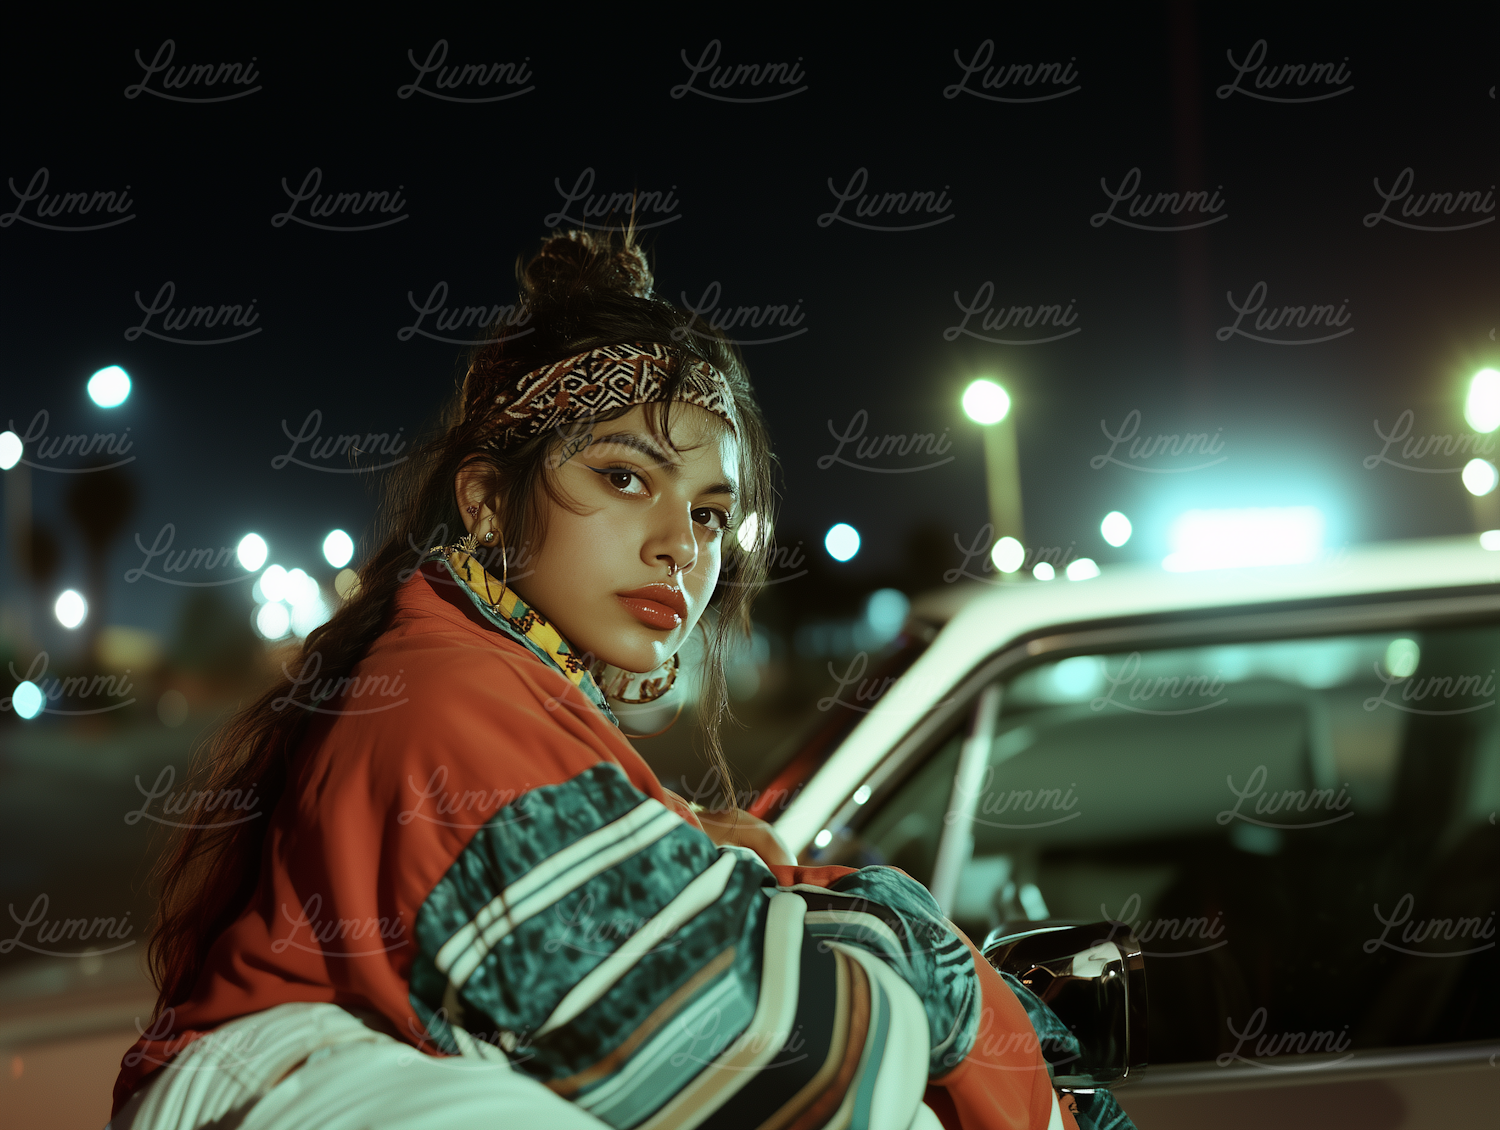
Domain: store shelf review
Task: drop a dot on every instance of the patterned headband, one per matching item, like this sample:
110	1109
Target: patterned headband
612	376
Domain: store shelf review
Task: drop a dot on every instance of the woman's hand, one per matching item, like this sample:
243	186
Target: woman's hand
736	826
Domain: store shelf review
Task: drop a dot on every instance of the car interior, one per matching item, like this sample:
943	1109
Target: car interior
1302	833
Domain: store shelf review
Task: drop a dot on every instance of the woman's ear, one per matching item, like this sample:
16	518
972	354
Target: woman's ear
471	491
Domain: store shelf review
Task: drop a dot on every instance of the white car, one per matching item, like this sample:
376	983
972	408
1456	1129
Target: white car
1284	779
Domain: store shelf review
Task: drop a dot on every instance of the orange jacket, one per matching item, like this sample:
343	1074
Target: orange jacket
398	790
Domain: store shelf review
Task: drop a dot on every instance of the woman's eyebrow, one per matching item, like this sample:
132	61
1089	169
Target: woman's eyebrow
649	447
644	444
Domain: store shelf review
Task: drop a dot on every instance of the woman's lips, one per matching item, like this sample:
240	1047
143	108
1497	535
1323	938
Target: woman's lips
650	613
657	606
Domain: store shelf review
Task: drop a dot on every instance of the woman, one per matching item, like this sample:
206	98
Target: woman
471	896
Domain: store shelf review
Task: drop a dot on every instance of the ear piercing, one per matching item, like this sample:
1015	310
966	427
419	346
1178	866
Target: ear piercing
473	511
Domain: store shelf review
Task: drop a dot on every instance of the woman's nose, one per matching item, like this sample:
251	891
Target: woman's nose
678	548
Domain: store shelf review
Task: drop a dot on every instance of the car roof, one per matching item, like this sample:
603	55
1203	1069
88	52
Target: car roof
981	618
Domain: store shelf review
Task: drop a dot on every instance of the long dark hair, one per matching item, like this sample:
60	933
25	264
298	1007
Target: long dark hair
580	291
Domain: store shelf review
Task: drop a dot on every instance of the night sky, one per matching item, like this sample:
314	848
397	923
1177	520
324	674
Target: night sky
745	191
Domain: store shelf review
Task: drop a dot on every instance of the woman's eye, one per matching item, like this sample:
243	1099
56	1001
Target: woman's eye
715	520
626	482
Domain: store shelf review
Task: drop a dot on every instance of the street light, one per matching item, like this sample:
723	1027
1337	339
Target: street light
1482	408
10	450
985	402
988	405
1482	411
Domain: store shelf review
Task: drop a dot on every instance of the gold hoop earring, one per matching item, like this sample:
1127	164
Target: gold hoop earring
504	569
649	690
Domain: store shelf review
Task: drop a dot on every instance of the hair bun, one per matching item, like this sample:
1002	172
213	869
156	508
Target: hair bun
574	261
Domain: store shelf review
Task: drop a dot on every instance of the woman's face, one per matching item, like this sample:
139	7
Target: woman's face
626	568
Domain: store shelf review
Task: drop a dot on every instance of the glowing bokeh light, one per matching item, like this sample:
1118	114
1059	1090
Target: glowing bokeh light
1116	528
1008	555
338	549
27	699
346	584
109	387
885	612
1229	539
251	552
71	609
841	541
1482	407
309	615
273	620
1480	477
300	589
1083	569
1401	657
273	584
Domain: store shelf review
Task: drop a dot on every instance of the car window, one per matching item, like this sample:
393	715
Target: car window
1302	833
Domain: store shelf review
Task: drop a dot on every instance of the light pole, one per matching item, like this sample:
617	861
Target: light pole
1482	412
989	406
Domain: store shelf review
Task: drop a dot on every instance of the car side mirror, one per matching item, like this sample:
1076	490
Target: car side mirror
1093	979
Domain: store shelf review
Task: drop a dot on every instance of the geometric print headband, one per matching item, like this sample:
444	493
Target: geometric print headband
612	376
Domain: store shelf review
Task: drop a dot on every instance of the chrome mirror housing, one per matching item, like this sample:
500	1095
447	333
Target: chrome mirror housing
1093	979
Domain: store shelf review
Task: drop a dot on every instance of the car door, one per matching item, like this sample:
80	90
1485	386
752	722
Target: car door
1295	811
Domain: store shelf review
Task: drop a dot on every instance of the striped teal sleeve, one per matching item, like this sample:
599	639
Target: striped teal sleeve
894	917
591	938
